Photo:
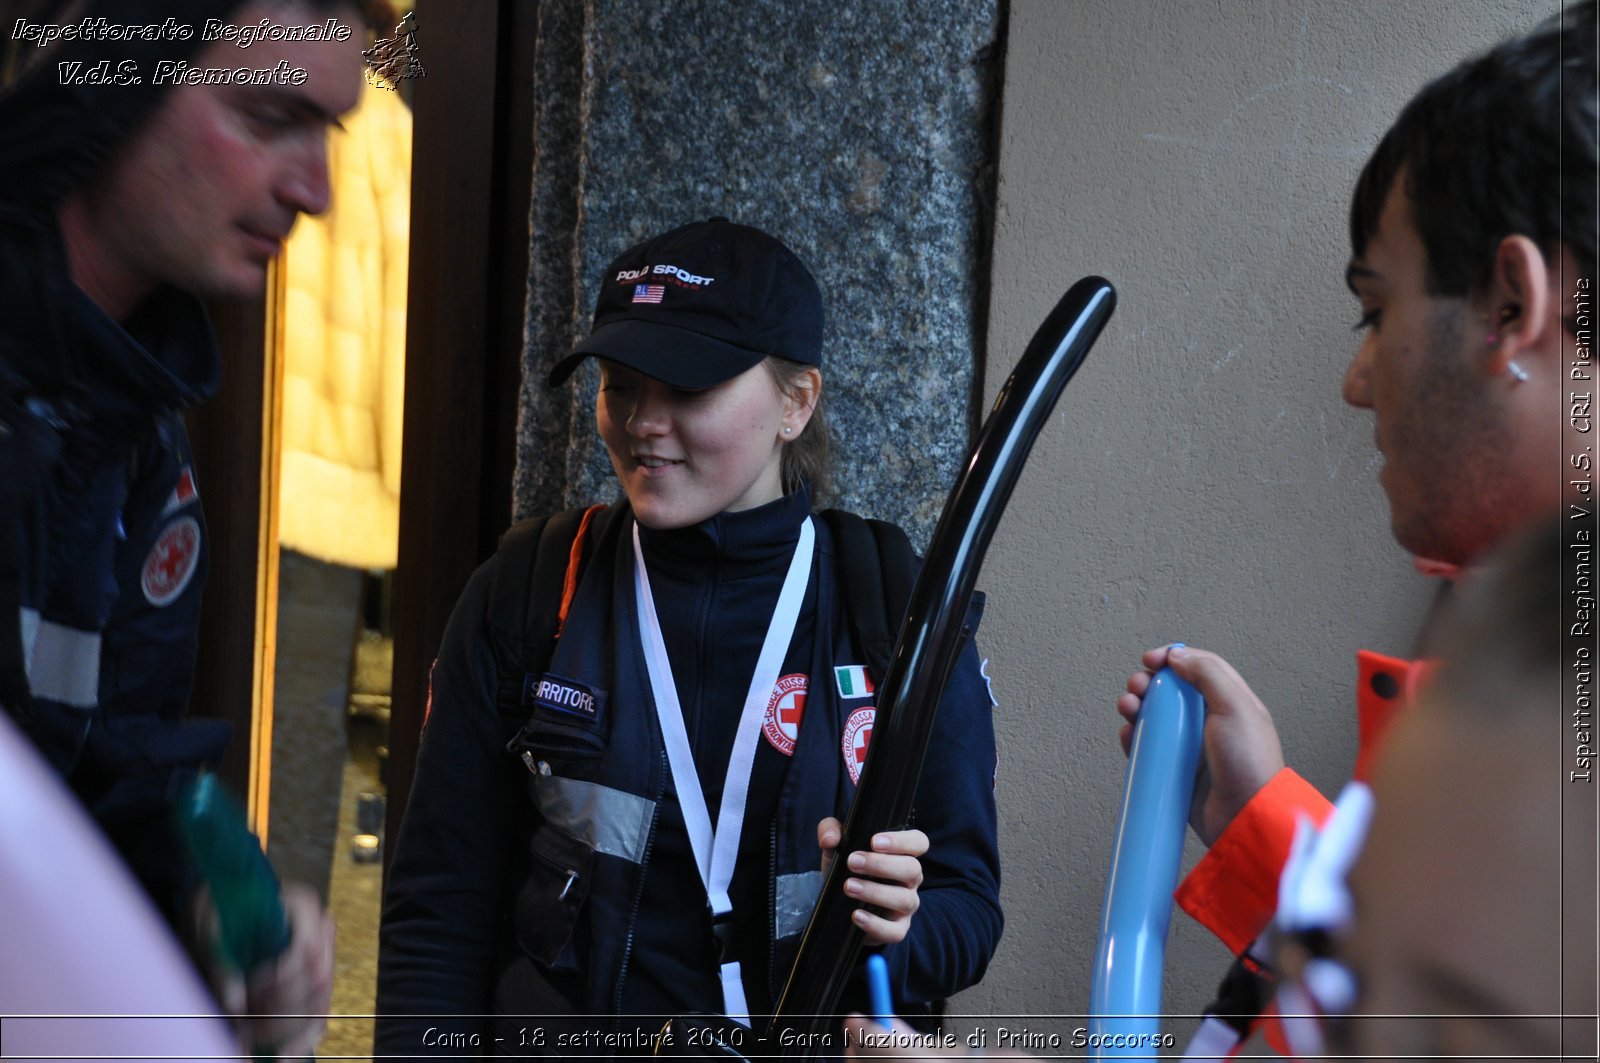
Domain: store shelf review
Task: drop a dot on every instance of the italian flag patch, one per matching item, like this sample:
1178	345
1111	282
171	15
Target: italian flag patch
853	681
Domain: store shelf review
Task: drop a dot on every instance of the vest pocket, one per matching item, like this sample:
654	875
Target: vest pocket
549	903
572	746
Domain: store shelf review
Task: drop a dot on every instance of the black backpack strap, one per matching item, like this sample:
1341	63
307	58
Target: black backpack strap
537	570
878	568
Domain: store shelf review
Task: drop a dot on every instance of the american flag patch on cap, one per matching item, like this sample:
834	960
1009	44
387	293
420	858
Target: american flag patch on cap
648	293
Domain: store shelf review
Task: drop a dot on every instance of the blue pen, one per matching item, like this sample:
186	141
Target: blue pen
878	986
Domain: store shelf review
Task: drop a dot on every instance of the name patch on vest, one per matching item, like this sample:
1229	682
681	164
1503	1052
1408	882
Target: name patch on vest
550	691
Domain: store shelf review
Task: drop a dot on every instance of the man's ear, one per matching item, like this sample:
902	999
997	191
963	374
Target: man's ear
1524	308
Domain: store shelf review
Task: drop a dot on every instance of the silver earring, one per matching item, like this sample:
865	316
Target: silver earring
787	429
1519	374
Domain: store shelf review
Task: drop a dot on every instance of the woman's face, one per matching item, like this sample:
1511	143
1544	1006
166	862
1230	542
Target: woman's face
684	456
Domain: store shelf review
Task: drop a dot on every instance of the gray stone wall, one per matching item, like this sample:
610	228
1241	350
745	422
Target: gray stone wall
855	131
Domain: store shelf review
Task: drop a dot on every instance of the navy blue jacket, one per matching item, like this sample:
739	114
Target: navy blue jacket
102	547
552	878
106	549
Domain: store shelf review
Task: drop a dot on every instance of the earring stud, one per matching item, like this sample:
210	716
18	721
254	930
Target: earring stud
1519	374
1492	339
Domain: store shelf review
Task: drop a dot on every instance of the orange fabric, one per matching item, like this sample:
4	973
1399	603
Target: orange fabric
569	586
1233	890
1272	1030
1383	685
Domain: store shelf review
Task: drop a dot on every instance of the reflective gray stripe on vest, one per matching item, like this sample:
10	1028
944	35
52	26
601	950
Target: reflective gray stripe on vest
63	663
606	820
796	895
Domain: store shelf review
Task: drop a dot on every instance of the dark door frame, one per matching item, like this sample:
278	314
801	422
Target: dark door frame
471	178
233	463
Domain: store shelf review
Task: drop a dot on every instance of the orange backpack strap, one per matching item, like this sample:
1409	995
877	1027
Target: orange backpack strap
575	565
537	570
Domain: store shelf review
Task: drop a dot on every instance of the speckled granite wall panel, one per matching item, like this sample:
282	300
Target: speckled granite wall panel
548	421
856	131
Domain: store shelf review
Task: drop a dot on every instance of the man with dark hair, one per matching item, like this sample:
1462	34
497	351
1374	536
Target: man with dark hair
1473	228
1502	144
1471	796
153	157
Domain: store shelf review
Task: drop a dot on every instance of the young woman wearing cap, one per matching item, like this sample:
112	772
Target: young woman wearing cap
649	842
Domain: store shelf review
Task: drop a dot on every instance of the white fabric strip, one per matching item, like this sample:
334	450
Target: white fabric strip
1213	1042
717	848
63	663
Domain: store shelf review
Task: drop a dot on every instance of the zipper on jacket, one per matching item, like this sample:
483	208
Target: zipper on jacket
772	908
638	890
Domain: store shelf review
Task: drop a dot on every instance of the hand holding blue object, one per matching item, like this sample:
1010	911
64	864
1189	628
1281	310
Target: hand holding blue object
1125	995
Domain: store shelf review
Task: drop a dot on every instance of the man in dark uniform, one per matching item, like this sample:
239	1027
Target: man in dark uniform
153	158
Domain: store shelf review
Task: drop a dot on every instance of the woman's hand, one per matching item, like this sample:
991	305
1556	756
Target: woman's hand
892	874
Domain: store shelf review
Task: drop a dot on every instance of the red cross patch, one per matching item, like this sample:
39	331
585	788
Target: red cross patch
781	725
172	561
857	733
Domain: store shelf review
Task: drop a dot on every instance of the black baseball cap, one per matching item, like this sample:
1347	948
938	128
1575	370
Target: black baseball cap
701	304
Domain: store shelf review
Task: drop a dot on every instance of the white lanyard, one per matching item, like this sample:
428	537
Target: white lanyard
715	851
